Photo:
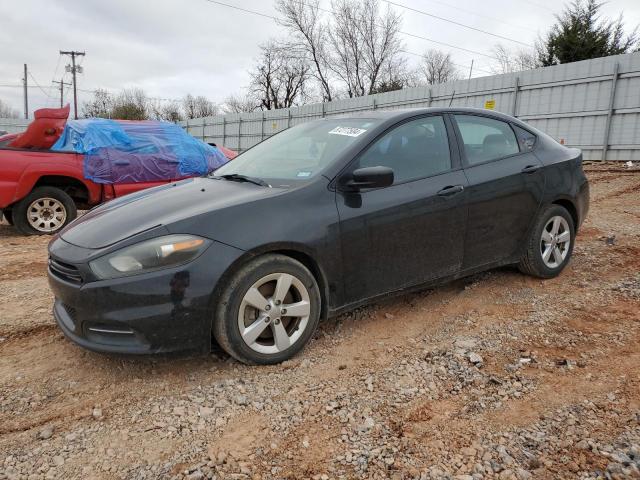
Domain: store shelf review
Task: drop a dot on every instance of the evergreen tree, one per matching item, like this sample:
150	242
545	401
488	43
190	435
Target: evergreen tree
580	34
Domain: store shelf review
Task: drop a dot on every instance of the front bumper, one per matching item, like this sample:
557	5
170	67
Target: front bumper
162	311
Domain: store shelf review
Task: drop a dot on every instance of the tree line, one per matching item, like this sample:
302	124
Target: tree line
134	104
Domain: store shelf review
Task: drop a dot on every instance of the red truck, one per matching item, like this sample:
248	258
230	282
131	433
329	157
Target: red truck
41	190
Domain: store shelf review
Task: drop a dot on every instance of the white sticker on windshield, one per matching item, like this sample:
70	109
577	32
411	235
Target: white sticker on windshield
304	174
348	131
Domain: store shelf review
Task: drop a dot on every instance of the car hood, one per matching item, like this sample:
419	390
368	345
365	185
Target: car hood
132	214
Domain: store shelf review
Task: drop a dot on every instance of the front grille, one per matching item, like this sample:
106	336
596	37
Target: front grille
65	271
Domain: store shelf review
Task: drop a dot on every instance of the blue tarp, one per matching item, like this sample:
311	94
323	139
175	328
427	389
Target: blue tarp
144	151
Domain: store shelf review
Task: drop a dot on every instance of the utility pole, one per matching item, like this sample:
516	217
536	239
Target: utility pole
471	69
73	69
26	96
62	83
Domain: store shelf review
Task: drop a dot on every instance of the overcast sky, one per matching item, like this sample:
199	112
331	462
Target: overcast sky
173	47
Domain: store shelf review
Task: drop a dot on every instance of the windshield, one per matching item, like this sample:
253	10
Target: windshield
299	153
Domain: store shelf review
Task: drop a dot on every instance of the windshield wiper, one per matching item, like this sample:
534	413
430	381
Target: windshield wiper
236	177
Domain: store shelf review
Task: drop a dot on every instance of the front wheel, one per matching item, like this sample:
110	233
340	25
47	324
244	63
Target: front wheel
268	310
46	210
550	244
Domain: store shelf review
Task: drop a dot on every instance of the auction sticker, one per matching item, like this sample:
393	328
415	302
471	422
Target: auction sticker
348	131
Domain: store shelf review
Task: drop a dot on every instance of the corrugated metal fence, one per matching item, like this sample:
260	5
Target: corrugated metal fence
586	104
13	125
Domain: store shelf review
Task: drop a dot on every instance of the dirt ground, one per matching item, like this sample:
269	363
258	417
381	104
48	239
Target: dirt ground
498	375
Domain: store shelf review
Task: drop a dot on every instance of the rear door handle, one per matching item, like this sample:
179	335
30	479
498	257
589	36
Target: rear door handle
530	169
451	190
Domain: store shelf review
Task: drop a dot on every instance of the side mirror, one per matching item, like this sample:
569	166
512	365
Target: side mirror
369	177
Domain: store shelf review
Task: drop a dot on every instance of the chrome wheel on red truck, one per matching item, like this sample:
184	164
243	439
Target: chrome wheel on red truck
46	210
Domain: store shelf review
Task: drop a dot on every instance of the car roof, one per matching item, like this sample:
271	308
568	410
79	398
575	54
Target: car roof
407	112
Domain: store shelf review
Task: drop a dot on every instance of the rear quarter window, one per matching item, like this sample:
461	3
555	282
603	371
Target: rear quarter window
526	139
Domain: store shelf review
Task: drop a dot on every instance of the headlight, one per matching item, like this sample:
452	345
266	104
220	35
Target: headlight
154	254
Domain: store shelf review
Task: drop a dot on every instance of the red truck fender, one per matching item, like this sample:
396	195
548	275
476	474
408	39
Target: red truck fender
33	173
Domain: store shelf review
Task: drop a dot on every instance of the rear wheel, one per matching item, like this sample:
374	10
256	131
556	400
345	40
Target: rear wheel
551	243
268	311
46	210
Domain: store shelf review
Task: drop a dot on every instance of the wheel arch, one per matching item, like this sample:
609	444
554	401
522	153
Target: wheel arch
296	251
570	206
73	187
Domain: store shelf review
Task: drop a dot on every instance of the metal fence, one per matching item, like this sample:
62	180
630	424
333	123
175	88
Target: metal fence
593	105
13	125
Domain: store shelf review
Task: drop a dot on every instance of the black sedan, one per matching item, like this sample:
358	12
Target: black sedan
316	220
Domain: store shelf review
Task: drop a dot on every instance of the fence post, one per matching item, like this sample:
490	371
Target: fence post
323	111
262	127
514	109
288	117
204	124
239	132
224	131
373	103
612	97
429	98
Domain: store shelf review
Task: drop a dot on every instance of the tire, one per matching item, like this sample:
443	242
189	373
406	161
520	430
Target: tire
541	259
235	310
51	208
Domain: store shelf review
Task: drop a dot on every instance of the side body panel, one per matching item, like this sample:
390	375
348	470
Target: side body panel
400	236
503	202
21	169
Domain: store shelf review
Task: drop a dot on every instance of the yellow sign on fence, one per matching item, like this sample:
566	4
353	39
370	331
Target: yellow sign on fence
490	104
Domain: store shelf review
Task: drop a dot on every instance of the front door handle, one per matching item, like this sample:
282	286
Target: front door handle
530	169
450	190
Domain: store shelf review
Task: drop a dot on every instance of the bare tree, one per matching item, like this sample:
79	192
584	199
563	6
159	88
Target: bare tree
397	75
508	61
198	107
349	49
130	104
100	106
380	34
169	111
278	80
240	104
310	38
437	67
7	112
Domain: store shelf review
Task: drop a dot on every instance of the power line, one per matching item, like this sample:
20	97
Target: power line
466	67
488	17
422	12
86	90
246	10
38	85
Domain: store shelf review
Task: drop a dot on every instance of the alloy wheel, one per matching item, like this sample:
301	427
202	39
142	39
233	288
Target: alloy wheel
274	313
46	215
555	241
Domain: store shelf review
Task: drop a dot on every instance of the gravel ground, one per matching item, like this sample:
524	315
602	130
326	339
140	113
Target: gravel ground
498	375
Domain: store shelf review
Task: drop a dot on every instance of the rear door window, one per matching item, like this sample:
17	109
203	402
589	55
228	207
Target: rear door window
486	139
